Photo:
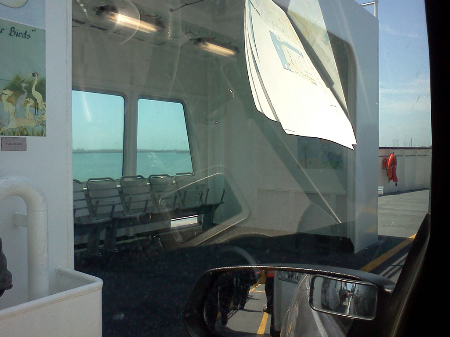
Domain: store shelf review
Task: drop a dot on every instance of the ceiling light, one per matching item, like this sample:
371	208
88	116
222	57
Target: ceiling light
111	13
213	46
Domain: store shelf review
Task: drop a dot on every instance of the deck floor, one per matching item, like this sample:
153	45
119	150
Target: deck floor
144	291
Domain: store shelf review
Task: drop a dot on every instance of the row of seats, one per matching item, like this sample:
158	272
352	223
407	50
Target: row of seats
103	204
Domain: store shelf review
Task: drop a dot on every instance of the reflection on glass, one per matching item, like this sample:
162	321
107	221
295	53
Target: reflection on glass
345	298
231	299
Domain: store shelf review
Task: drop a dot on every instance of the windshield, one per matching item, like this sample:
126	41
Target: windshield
244	132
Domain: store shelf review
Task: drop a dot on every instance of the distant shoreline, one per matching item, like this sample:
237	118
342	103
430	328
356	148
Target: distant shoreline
120	151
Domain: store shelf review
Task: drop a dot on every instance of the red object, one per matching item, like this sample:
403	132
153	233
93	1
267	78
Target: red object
390	164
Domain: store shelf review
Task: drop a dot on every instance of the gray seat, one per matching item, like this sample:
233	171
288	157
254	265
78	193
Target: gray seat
137	198
190	195
106	202
213	198
85	222
197	198
184	197
165	192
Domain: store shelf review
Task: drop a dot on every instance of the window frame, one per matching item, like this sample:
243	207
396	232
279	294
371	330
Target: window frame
104	92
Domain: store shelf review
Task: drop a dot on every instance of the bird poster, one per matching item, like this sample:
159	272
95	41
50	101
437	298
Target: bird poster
22	80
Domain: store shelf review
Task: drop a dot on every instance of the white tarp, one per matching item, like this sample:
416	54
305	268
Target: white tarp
307	17
286	86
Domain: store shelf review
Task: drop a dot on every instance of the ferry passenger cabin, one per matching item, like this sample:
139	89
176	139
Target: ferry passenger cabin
176	99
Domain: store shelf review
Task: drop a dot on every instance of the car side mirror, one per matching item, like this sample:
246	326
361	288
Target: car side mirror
348	298
232	301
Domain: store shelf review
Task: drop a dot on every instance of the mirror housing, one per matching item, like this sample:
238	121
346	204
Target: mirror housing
348	298
301	280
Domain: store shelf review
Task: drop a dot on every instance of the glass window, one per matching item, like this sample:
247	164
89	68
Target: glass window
279	153
162	140
97	128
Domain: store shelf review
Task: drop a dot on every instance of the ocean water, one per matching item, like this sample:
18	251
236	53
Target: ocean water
109	164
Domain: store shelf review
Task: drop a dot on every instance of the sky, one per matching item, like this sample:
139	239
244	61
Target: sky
32	13
404	95
161	122
97	121
404	101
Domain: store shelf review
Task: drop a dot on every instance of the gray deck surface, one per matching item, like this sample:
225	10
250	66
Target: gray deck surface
401	214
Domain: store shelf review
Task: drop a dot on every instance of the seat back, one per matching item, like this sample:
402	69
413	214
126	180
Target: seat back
165	191
214	196
105	198
81	211
161	184
136	194
189	192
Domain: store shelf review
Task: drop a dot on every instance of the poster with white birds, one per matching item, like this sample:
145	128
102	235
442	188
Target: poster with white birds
22	80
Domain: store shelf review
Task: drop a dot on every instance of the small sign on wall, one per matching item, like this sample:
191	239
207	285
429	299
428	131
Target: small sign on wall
14	144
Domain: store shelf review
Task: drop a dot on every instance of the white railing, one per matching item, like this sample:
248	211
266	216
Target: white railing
37	237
